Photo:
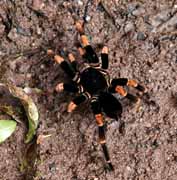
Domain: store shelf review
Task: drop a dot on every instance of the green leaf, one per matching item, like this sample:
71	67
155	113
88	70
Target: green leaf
30	108
7	127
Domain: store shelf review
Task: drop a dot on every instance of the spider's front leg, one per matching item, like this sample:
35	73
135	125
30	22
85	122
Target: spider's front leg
70	69
87	51
100	123
72	87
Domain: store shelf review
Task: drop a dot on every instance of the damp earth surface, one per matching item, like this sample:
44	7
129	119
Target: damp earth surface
142	41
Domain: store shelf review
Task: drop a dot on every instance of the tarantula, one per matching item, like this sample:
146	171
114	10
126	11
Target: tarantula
93	84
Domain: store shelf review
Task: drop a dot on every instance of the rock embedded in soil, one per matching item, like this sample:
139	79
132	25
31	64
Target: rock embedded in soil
38	4
141	36
74	144
2	29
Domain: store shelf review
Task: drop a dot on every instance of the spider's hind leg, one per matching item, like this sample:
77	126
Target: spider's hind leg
116	87
96	108
135	84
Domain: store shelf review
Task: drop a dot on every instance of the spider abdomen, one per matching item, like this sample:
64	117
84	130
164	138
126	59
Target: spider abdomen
93	80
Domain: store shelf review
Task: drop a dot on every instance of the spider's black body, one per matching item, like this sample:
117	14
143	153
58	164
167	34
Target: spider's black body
93	81
94	84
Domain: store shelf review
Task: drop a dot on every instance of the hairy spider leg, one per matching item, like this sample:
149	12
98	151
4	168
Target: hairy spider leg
129	82
67	68
83	97
87	52
104	58
135	84
116	87
90	54
73	61
96	108
72	87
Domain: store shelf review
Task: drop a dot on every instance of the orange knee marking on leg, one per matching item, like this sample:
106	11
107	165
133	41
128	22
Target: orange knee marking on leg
50	52
71	106
132	83
58	59
120	90
79	27
99	119
84	40
102	141
105	50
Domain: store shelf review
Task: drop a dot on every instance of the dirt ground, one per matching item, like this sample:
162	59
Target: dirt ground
142	40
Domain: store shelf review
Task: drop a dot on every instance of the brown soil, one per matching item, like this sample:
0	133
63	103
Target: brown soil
142	39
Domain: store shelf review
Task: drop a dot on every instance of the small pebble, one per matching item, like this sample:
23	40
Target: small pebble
38	4
129	27
28	75
52	167
131	8
22	31
42	66
27	90
80	2
39	31
141	36
128	168
87	18
2	29
138	12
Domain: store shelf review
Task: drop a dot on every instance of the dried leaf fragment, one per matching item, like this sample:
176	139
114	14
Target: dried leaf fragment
41	138
30	108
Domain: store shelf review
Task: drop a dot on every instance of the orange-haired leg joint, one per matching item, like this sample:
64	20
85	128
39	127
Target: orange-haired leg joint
84	40
58	59
71	107
121	90
104	50
99	119
79	27
132	83
50	52
100	123
81	51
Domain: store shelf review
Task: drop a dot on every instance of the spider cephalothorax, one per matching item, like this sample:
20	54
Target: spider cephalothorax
93	84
